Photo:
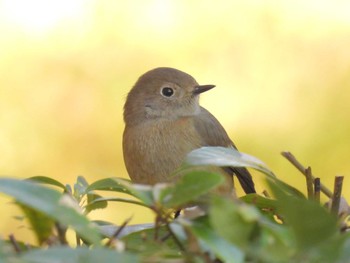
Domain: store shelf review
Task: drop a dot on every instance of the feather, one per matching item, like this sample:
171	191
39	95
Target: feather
213	134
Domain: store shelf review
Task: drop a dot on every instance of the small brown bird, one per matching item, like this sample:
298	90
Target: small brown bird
164	122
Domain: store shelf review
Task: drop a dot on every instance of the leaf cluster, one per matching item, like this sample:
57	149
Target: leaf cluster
287	227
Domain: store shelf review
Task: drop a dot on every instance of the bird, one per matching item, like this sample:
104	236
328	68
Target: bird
164	122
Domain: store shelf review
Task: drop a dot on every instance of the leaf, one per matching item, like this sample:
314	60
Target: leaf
311	224
274	243
225	251
6	250
110	184
141	239
82	181
121	185
80	188
111	199
260	201
41	224
47	180
109	230
77	255
221	156
344	247
287	189
191	186
92	204
57	206
142	192
234	222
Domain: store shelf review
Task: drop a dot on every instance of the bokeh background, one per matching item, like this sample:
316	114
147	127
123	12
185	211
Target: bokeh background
282	71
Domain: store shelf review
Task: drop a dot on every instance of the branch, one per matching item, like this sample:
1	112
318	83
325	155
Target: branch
309	183
317	189
119	230
14	243
290	157
338	185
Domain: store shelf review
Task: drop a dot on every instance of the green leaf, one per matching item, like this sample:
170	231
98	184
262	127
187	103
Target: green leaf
267	205
330	250
286	188
274	243
57	206
142	192
143	240
6	250
92	204
311	223
234	222
47	180
108	229
80	188
224	250
191	186
69	189
110	184
41	224
221	156
344	247
82	181
121	185
77	255
245	226
259	201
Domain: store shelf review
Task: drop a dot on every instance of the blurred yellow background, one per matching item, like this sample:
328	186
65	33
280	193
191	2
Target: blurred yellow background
282	71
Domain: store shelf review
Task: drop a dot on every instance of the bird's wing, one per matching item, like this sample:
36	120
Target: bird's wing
213	134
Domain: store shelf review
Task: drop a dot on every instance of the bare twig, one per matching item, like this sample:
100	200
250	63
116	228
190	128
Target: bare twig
290	157
176	240
338	185
309	183
61	232
119	230
156	227
317	189
14	243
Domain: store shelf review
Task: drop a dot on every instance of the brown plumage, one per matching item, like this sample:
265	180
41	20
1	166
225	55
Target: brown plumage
164	122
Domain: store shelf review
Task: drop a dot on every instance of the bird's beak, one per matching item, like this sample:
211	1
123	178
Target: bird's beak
202	88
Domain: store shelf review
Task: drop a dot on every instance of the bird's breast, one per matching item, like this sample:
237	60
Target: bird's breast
153	150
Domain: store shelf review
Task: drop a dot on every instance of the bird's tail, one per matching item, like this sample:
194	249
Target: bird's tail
245	179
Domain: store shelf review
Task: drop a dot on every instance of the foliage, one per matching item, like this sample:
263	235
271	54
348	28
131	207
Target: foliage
253	228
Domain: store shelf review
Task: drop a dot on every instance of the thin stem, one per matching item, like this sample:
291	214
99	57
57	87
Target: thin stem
14	243
177	241
117	233
338	185
156	227
309	183
317	189
61	232
290	157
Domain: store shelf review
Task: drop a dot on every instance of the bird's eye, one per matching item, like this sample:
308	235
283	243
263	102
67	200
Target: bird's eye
167	92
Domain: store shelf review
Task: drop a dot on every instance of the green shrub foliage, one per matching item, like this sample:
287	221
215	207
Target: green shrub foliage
283	226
